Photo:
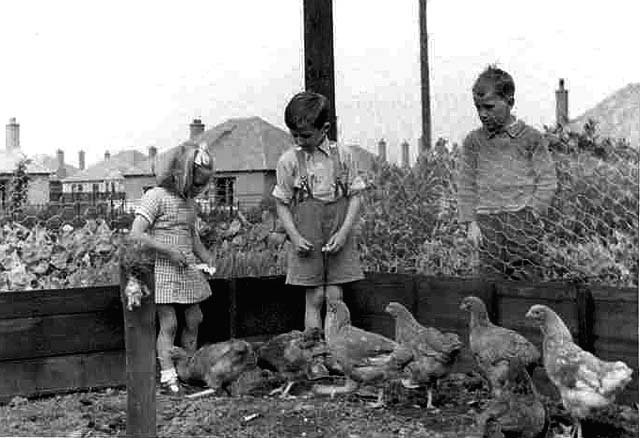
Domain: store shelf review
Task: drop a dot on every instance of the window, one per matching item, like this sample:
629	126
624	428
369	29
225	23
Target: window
224	190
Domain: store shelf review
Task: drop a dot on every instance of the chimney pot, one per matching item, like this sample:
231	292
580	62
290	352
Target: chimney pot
81	160
153	153
12	134
107	156
405	153
562	104
195	129
382	150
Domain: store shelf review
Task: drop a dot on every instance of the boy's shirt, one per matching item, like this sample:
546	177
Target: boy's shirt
320	173
505	171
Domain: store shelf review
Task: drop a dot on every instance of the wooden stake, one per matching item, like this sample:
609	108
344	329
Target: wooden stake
424	74
140	342
318	54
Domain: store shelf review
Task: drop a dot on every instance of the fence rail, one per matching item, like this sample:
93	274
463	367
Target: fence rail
85	346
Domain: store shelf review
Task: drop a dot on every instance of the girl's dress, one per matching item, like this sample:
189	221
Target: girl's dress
172	220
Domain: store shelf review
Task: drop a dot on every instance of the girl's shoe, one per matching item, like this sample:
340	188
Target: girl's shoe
172	387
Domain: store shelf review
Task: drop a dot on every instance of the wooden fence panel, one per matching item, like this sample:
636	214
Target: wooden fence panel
615	326
368	298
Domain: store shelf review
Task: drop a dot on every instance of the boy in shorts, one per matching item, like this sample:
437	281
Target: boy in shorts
318	196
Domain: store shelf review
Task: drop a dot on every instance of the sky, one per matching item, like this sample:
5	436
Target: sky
121	74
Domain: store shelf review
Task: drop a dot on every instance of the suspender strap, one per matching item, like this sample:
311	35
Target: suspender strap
305	189
339	174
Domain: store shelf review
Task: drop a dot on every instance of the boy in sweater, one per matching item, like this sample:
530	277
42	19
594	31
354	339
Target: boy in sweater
506	181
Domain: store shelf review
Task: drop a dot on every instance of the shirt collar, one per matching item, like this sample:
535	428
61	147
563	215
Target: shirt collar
322	147
513	130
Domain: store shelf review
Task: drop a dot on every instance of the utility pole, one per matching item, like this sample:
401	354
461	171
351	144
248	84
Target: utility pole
318	54
424	76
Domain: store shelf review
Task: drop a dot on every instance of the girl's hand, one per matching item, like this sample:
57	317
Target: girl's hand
177	257
301	245
335	243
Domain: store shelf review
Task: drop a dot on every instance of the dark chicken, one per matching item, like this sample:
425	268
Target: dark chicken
434	352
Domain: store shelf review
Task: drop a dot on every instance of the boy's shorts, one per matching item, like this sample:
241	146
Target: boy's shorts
317	221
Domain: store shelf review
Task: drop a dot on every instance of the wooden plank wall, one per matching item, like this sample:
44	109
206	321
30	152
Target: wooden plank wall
60	340
53	341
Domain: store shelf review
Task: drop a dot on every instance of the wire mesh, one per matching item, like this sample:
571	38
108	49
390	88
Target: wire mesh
409	223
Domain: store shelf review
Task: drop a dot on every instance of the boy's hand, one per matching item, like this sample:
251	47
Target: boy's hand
335	243
473	232
301	245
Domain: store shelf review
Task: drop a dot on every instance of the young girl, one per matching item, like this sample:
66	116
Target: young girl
165	223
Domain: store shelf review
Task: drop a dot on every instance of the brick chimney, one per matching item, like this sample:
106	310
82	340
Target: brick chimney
153	153
404	147
107	156
195	128
382	150
13	134
81	160
562	104
60	170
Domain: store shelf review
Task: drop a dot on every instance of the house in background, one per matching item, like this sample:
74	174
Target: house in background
59	169
126	175
38	187
245	153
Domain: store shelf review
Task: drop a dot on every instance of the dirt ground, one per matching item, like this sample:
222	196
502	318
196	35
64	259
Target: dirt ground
251	412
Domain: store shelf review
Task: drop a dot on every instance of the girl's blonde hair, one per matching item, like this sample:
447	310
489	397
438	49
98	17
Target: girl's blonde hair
175	171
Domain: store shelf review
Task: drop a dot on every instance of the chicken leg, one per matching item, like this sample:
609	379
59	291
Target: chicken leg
283	390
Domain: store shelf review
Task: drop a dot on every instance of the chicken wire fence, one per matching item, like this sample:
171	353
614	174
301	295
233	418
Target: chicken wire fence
589	232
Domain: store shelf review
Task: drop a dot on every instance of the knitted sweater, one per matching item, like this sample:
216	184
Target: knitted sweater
506	171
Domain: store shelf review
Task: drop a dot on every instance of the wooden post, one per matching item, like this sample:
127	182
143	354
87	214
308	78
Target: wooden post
140	342
424	74
585	309
318	54
233	307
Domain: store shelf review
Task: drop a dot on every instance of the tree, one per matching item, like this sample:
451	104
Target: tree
18	187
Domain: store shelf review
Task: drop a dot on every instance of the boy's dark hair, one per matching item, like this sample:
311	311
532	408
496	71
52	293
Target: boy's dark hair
307	108
501	81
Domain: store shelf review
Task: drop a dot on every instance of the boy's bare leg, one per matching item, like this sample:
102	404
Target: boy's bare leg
192	319
334	292
313	307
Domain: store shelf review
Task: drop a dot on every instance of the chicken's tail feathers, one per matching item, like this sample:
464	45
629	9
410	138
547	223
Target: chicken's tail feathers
616	378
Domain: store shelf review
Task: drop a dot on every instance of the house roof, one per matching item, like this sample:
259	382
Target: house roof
51	163
123	164
9	161
617	116
245	144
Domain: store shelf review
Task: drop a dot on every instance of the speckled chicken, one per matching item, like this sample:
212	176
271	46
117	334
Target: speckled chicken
218	365
294	355
365	357
584	381
518	411
493	346
434	352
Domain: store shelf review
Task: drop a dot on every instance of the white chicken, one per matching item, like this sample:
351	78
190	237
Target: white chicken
584	381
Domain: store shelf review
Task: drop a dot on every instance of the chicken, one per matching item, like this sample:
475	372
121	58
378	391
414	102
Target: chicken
492	346
365	357
294	355
518	411
584	381
217	365
434	352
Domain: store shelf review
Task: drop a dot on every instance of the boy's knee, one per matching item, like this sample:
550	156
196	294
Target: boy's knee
315	296
334	292
193	316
